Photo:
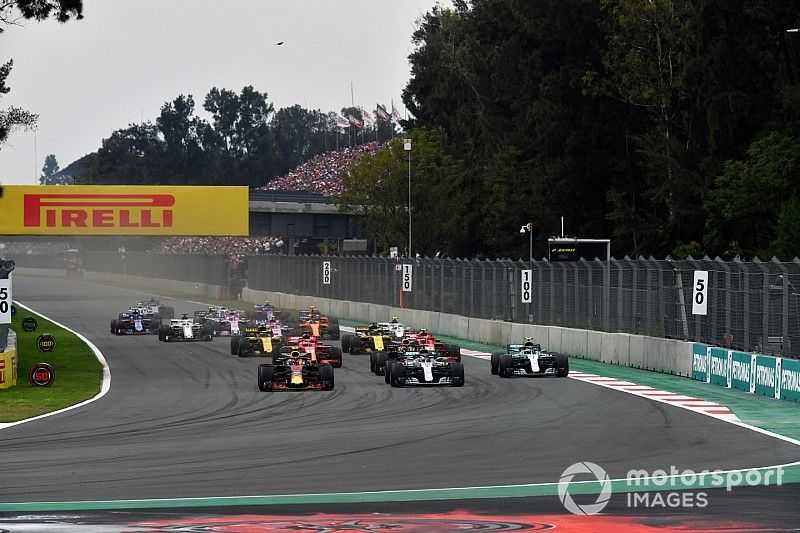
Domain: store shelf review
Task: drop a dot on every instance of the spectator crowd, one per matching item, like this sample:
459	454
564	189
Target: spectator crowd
323	173
236	247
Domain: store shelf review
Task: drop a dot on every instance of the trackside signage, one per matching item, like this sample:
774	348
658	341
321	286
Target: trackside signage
700	355
719	368
743	366
790	380
123	210
766	376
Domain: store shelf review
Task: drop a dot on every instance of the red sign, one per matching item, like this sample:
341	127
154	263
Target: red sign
42	375
98	210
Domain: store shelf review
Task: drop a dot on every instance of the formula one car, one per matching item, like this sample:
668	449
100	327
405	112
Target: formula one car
423	368
528	359
411	343
185	329
308	344
224	322
142	318
255	340
317	324
295	371
367	339
135	323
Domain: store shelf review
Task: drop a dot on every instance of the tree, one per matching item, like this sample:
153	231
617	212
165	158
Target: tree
49	171
11	12
378	187
13	118
754	202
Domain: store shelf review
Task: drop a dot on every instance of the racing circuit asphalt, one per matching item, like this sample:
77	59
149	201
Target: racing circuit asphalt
187	420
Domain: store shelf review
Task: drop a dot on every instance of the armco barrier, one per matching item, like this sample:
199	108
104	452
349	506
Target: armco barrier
8	363
662	355
765	375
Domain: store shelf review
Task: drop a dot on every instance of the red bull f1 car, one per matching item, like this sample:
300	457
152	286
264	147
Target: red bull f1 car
295	371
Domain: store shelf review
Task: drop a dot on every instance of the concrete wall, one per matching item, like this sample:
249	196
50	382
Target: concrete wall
650	353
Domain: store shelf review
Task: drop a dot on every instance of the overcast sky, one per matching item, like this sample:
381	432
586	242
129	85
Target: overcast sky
126	58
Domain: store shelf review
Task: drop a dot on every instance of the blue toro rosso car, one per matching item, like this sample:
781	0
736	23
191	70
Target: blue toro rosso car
134	323
143	318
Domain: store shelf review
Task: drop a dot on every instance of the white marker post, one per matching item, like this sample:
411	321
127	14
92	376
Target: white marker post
326	272
407	277
700	296
527	277
5	300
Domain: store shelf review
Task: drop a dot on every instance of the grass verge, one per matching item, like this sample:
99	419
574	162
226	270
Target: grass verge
78	372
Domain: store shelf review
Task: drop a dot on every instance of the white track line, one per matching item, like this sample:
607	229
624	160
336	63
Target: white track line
104	387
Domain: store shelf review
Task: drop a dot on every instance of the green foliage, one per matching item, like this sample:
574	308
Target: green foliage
12	118
246	142
50	172
378	186
750	197
682	251
616	114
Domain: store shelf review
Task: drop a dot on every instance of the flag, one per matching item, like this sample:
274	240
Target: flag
395	113
367	117
381	113
355	122
342	122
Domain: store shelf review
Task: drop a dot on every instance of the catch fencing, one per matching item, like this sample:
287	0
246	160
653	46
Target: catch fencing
751	306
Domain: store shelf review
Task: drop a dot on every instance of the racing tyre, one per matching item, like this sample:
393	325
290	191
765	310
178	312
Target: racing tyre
506	366
496	363
334	321
113	326
398	374
234	345
454	350
387	371
336	355
326	377
346	338
335	333
167	312
372	357
265	374
243	348
161	333
380	364
209	335
562	365
457	375
356	346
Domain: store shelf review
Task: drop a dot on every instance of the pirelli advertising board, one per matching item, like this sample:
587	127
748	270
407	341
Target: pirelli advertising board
123	210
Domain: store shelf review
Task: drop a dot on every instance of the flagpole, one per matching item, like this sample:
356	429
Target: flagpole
352	126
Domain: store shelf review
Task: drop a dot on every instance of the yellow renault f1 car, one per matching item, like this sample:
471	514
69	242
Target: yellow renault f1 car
367	339
256	341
